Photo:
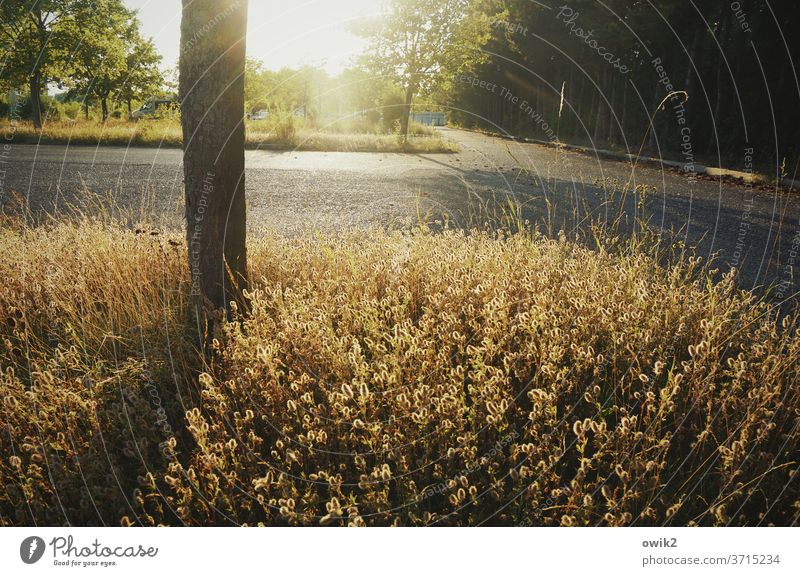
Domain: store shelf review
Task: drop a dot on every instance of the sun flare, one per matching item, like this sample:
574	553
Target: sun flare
282	33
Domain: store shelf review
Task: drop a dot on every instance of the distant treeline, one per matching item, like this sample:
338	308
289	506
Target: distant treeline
617	60
93	50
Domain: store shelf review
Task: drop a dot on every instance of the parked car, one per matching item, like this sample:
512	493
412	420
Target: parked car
258	115
152	106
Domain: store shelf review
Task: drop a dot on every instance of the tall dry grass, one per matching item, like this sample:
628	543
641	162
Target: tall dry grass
281	134
390	378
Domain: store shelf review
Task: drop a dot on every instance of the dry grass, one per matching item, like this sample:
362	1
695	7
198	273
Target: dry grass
167	133
323	141
390	378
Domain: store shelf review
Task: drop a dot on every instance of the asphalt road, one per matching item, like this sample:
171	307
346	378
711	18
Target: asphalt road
755	229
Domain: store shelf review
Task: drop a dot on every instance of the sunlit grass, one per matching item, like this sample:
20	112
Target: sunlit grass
259	135
389	378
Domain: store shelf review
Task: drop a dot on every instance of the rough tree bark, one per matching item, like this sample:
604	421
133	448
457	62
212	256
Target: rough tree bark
405	119
35	85
35	78
104	108
211	87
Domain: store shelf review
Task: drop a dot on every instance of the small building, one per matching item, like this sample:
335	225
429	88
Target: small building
429	118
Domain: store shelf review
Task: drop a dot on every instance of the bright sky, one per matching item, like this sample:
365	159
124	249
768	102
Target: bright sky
281	33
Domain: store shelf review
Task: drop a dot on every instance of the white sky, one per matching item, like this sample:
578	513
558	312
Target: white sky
281	33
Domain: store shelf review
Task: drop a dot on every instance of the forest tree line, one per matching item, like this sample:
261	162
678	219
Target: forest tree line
616	60
93	50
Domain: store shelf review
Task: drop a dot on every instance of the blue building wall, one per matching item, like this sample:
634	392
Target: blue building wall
429	118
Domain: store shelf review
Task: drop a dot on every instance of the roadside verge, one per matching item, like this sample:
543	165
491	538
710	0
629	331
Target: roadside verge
748	177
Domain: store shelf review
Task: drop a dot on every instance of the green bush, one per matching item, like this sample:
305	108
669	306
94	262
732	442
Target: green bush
70	110
390	105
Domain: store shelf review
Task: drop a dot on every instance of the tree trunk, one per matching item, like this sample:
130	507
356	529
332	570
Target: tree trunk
691	73
723	35
405	119
35	84
35	80
104	107
651	122
130	111
622	130
86	110
211	87
613	123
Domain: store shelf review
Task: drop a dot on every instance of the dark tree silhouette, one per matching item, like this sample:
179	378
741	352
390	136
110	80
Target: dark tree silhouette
211	89
736	60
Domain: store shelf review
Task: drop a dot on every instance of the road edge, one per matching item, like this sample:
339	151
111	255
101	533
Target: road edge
746	177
